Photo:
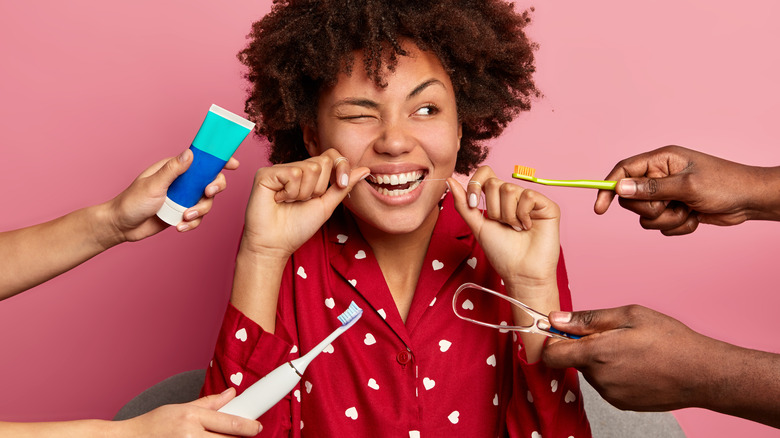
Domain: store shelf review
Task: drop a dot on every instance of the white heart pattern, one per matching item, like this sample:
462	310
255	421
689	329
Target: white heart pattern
301	272
428	383
236	378
444	345
503	323
472	262
241	335
468	305
454	417
360	255
570	397
530	397
414	434
297	395
554	385
536	434
372	384
382	313
369	340
495	400
329	349
308	386
353	282
351	413
342	238
491	360
330	303
294	349
437	265
432	302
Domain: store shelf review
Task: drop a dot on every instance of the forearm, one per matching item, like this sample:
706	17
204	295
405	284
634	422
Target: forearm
746	384
256	284
33	255
63	429
543	298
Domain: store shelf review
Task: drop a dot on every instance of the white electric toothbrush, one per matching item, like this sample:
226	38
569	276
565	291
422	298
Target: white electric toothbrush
266	392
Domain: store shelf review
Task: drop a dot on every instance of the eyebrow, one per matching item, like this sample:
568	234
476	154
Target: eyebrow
370	104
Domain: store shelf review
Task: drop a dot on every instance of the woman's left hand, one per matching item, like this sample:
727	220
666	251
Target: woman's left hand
519	231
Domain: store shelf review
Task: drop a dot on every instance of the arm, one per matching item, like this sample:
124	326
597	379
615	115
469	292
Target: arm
519	234
192	419
642	360
33	255
674	189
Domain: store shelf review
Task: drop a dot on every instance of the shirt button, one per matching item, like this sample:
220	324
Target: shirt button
404	357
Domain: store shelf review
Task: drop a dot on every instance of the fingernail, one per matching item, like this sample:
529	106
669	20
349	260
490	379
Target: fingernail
260	429
211	190
184	155
626	187
560	317
448	185
183	227
473	200
520	228
344	180
190	215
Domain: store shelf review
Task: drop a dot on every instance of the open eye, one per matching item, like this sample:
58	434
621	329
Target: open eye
427	110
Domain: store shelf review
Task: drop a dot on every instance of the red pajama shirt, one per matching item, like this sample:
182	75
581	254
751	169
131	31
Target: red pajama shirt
434	376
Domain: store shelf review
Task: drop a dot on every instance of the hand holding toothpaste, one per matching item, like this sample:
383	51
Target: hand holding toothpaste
133	211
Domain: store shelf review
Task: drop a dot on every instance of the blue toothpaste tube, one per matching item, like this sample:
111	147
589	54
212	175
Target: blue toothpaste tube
218	138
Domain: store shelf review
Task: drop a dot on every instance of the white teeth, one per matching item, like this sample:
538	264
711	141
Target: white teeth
386	192
398	178
402	178
394	180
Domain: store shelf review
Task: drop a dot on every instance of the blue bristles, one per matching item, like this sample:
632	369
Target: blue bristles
350	314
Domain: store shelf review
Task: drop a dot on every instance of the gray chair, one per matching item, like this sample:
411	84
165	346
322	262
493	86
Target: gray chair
606	421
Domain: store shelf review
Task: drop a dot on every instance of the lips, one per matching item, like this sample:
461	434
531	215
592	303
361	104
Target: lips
396	184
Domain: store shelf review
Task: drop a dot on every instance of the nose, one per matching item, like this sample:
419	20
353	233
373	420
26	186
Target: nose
395	139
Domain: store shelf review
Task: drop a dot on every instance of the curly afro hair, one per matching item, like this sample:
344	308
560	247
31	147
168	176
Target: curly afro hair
302	45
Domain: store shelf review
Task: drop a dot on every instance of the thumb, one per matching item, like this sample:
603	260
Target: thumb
472	216
651	189
215	401
172	169
335	194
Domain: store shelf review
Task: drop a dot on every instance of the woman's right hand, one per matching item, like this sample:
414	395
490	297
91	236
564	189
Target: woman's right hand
291	201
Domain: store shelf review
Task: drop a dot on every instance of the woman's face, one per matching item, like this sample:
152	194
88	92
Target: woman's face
405	132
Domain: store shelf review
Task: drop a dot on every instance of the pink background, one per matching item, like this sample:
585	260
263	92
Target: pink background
94	91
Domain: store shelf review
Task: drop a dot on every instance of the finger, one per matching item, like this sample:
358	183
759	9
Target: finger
567	353
603	200
232	164
341	167
587	322
646	209
230	425
472	216
172	169
215	401
476	186
219	184
688	227
335	194
662	188
296	181
673	216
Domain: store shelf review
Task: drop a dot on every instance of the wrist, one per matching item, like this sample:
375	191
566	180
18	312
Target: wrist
103	226
765	200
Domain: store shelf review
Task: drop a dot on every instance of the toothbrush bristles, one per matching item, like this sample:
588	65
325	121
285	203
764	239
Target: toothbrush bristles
352	311
527	171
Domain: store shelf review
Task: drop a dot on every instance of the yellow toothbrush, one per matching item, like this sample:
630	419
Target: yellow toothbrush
527	174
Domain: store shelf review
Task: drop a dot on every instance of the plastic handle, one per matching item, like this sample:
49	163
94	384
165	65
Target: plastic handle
263	394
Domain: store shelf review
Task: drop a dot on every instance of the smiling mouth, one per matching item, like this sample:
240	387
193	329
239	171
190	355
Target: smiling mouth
396	184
